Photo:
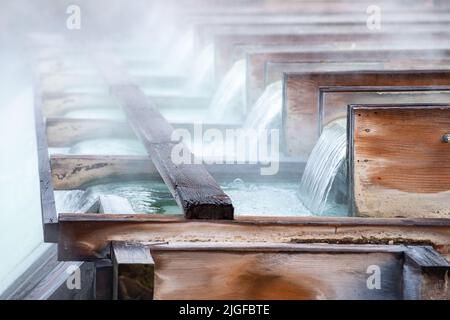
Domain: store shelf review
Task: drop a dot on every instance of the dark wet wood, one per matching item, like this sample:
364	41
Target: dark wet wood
399	161
88	237
300	109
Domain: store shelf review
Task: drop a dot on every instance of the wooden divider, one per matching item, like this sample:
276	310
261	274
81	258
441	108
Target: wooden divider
193	188
267	65
398	160
88	237
301	91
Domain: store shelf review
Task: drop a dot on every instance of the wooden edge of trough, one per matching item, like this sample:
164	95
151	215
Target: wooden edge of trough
88	236
415	272
47	199
193	188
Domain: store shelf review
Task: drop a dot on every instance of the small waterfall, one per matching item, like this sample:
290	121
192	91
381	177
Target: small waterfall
324	163
266	112
229	98
202	72
181	53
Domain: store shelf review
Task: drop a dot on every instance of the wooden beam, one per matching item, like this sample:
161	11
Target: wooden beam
64	132
88	237
425	275
397	160
48	208
276	271
193	188
133	271
268	64
69	172
76	172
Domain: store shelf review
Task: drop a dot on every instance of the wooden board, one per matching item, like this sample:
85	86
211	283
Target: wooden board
265	65
133	272
194	189
65	132
334	102
399	163
301	91
275	271
88	236
78	172
226	44
48	208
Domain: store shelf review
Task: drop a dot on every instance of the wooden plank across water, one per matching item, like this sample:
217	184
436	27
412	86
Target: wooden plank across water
300	107
399	161
88	236
193	188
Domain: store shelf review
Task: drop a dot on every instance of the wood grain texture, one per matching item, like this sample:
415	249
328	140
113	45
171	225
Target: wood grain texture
62	103
301	91
399	162
425	275
69	172
193	188
225	44
48	208
75	172
267	272
65	132
87	237
266	66
334	102
133	272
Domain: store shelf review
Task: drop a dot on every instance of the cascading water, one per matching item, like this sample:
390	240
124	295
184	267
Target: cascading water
266	112
181	53
128	147
322	168
202	73
229	98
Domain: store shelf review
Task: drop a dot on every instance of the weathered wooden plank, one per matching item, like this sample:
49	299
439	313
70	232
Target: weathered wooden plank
425	275
48	208
69	172
275	272
300	112
133	271
267	65
114	205
399	163
225	44
334	102
64	132
87	237
76	172
193	188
